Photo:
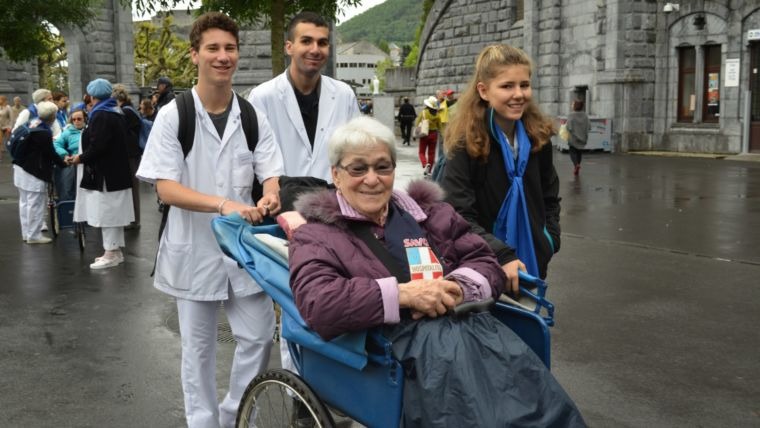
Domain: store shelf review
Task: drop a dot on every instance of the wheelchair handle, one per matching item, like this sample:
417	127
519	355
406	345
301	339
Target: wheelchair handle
472	307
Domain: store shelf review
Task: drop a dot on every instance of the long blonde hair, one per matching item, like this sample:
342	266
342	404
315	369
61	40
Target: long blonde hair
468	127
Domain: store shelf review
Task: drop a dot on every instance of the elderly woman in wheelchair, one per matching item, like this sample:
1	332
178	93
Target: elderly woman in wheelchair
398	264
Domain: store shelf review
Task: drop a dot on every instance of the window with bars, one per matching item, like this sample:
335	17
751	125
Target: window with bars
519	10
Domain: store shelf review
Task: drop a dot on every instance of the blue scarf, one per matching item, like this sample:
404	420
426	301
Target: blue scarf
512	225
106	105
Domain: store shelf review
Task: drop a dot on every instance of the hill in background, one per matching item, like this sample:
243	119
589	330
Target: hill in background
393	21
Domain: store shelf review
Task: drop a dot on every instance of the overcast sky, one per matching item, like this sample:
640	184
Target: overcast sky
348	13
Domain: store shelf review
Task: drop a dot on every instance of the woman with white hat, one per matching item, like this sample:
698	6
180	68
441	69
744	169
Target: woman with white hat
428	142
104	196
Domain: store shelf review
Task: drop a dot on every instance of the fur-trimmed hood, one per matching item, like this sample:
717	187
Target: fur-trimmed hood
322	206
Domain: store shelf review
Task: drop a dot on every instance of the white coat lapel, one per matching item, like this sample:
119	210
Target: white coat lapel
233	120
288	99
328	103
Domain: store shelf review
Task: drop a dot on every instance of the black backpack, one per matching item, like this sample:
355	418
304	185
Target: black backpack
16	144
186	137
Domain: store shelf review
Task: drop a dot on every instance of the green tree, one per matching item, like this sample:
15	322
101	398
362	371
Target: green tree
414	53
23	24
51	64
162	53
271	13
380	71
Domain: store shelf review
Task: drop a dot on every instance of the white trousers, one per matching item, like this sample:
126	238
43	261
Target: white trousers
31	212
113	238
252	322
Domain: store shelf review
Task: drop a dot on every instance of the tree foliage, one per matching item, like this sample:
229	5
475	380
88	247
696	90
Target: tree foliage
271	13
392	21
52	68
23	24
162	53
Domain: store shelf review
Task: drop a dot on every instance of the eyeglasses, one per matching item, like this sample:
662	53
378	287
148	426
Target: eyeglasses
359	169
77	119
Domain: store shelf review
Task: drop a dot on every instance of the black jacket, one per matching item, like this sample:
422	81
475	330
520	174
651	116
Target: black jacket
477	190
104	153
40	156
406	113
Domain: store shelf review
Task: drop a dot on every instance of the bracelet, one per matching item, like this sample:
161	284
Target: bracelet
221	205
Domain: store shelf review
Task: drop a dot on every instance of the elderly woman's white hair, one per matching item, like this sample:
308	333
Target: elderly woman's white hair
46	111
359	132
40	95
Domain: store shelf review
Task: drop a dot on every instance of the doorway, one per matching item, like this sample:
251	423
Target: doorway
754	87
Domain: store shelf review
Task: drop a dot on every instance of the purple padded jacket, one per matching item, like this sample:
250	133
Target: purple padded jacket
334	275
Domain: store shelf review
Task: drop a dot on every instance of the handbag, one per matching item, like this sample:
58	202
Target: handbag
422	129
564	134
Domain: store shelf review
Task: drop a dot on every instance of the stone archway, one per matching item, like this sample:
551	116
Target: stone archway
104	48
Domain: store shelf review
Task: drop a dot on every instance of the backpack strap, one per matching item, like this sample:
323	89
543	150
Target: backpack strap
363	231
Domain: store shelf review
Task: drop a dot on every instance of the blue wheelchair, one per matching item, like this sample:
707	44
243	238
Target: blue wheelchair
355	374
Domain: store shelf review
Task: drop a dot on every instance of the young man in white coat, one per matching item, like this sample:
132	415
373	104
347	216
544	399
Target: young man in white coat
214	179
304	106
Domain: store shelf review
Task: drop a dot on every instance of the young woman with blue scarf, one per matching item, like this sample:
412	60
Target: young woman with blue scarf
499	174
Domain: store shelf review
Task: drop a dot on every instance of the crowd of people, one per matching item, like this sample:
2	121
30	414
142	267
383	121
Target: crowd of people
211	153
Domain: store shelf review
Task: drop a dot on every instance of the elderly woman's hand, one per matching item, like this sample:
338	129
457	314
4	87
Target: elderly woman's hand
429	297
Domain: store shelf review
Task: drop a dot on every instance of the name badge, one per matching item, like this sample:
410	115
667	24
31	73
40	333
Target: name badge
423	264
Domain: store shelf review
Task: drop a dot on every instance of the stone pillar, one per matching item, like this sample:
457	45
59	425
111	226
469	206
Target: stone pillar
384	110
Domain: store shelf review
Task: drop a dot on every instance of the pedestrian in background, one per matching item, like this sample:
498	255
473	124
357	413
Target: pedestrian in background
406	116
16	109
146	109
499	173
6	115
429	141
577	126
62	101
29	113
34	171
165	91
104	197
66	146
134	153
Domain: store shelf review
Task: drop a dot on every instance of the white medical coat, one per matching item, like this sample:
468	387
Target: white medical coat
190	264
337	105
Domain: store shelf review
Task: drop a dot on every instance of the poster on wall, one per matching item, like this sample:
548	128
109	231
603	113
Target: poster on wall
713	89
732	73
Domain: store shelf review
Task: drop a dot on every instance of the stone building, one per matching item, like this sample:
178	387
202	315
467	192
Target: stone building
357	65
670	76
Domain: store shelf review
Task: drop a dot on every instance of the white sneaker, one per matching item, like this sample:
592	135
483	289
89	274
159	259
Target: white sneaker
105	263
44	227
42	240
119	258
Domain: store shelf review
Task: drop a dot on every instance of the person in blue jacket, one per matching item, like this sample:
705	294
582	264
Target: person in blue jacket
67	145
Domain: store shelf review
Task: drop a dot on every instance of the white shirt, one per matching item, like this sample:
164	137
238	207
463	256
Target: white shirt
337	105
190	263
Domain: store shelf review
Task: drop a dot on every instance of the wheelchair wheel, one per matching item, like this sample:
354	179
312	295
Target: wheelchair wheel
279	398
53	214
79	231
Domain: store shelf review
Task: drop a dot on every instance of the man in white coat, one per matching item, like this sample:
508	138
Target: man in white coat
304	106
214	179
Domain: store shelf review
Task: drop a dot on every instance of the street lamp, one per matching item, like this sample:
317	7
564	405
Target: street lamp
142	67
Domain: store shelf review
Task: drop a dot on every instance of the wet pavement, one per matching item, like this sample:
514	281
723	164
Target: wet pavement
656	287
